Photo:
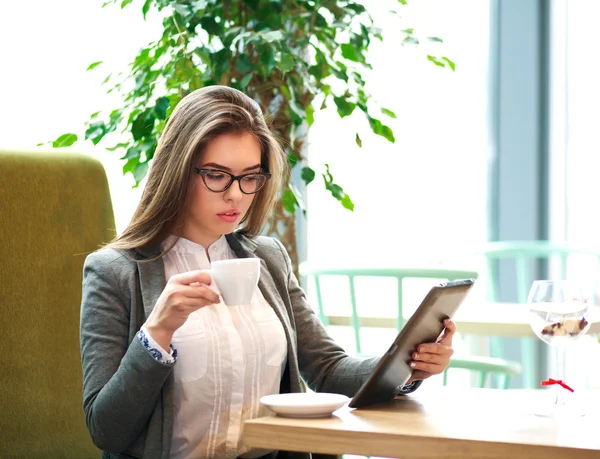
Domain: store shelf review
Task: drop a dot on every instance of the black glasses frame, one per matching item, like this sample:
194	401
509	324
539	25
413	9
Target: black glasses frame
204	172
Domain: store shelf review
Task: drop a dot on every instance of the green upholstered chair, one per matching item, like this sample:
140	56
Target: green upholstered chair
55	208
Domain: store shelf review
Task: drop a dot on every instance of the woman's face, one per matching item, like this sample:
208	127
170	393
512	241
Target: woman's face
210	214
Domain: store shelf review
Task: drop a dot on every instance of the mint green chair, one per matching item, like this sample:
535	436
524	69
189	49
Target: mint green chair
524	255
400	274
484	367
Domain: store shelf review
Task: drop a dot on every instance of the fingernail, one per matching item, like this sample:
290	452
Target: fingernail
416	355
413	364
420	349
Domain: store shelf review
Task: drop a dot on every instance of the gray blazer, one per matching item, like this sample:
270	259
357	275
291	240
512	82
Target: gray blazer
128	395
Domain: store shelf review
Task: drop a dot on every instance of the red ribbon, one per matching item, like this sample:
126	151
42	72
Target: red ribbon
551	382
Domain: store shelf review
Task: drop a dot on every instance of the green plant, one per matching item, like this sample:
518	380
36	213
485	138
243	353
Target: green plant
292	56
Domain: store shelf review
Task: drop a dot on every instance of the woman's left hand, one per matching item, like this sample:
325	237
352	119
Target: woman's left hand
432	358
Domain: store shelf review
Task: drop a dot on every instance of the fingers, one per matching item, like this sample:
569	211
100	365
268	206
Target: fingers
434	348
448	334
430	368
200	292
439	356
191	277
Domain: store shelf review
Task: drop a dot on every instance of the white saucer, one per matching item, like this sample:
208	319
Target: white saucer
304	405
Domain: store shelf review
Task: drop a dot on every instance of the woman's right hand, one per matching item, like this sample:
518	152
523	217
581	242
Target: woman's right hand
183	294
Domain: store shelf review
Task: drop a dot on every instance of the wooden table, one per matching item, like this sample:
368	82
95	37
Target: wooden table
485	319
441	423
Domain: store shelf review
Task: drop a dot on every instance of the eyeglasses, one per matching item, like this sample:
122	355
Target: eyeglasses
218	181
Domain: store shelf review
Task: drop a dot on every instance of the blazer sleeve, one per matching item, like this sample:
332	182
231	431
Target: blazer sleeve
121	380
324	365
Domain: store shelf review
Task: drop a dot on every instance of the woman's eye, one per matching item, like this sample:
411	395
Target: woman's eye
251	178
215	176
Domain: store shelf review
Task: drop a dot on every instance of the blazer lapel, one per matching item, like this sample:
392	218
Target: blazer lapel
152	277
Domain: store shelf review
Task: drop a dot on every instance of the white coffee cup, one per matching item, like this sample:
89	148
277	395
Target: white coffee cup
236	279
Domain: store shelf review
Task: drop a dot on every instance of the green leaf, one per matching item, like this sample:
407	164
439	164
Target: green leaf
117	146
273	35
161	107
142	125
243	64
244	81
133	152
131	164
65	140
209	24
183	10
336	191
357	77
349	52
435	39
410	40
285	63
310	115
297	109
267	60
124	3
347	203
307	174
443	62
140	172
340	74
388	112
289	201
381	129
450	63
146	8
357	8
292	159
93	65
96	131
358	140
344	108
403	2
408	31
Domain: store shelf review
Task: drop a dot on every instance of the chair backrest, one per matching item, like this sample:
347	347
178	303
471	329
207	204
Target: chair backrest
484	367
523	253
400	274
55	208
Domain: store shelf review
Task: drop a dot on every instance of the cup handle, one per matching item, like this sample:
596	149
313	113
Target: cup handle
212	285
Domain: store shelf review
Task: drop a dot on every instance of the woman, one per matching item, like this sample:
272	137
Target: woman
169	370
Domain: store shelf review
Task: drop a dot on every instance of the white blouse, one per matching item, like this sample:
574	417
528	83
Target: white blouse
226	359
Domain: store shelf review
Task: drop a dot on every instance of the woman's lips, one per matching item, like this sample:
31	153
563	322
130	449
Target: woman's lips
229	217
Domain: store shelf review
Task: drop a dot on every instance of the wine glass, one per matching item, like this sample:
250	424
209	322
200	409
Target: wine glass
557	316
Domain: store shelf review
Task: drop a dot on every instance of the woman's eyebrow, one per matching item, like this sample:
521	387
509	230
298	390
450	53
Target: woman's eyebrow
225	168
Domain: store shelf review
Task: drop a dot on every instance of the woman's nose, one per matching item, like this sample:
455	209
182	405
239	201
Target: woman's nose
234	192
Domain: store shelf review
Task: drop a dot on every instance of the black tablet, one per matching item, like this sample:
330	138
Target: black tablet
424	326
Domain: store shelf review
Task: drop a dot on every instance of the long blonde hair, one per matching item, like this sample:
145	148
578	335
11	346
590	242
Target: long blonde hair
196	120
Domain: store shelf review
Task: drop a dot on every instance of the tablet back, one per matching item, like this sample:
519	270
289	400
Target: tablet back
424	326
